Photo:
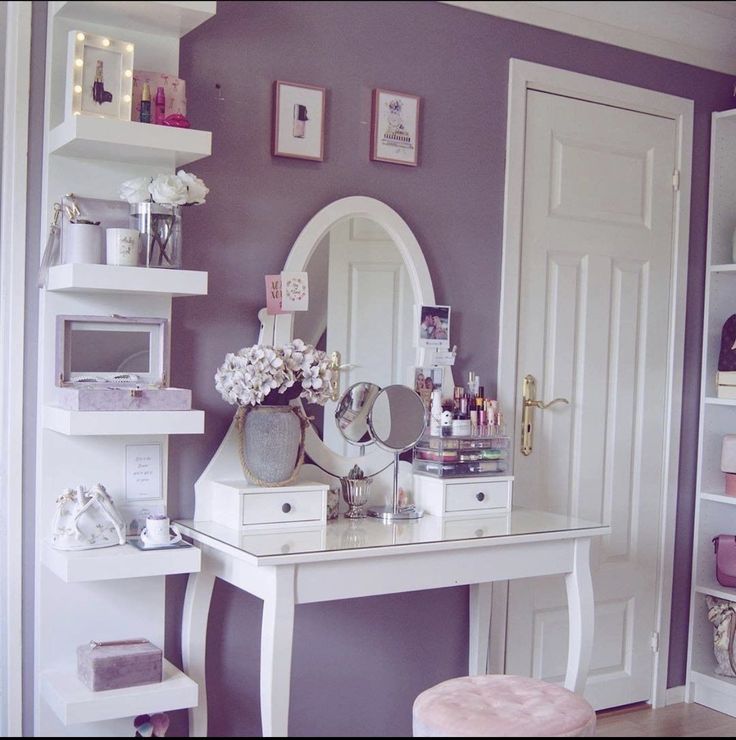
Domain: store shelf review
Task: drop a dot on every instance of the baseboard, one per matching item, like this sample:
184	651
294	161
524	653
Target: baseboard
675	695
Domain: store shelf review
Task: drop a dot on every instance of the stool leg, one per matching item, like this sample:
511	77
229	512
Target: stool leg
581	609
480	628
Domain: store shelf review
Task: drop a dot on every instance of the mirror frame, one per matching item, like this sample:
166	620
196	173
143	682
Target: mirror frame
277	329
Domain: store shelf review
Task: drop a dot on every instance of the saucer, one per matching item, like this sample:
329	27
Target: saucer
137	542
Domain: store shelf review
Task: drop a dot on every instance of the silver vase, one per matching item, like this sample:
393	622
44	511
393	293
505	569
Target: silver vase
355	493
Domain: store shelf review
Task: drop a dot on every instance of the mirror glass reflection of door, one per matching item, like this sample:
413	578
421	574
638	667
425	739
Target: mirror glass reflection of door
361	305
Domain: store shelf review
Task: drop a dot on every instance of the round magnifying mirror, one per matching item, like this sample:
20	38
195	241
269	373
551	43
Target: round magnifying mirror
396	420
396	423
351	414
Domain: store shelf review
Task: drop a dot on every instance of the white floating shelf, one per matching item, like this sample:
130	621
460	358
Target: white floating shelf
728	267
112	278
713	401
719	498
124	561
716	692
92	137
122	422
74	703
164	18
715	589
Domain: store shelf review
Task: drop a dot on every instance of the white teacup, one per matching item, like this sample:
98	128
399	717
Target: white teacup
159	531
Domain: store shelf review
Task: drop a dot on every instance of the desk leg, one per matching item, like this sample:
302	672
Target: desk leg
581	617
194	643
277	634
480	626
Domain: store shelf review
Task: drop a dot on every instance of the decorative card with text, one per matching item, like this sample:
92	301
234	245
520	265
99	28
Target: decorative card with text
143	472
273	295
294	291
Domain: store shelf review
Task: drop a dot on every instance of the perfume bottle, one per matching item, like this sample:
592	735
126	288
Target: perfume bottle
145	116
300	121
160	106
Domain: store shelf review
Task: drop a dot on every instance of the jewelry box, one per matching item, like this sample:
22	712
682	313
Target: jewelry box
115	363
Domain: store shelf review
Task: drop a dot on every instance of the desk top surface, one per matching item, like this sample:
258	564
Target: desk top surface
350	538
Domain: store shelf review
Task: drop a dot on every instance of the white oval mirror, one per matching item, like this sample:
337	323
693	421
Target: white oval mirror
396	420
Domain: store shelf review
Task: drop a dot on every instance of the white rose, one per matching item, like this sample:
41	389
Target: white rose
196	189
168	189
135	190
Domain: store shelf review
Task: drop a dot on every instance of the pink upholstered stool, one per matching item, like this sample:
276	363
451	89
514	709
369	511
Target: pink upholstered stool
501	706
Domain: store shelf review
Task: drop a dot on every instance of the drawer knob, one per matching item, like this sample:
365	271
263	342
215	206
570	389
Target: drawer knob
480	496
286	508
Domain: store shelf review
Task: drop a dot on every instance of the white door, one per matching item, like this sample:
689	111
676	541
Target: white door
597	247
369	312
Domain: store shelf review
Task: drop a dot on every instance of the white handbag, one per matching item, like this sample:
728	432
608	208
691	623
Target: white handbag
86	519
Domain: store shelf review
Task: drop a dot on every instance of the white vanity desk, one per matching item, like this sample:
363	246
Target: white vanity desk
365	557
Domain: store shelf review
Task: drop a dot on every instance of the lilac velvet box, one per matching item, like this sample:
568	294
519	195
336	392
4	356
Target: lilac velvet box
115	363
118	665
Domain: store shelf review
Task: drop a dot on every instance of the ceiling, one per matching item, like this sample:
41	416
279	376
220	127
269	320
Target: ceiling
700	33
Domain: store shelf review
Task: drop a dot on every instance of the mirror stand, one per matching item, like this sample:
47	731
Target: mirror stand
395	512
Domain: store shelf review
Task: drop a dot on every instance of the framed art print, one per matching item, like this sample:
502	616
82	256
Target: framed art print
99	76
395	128
298	121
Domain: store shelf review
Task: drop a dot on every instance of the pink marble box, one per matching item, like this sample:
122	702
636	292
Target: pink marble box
118	665
115	363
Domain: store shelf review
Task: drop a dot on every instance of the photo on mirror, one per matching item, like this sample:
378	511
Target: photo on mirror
434	326
427	379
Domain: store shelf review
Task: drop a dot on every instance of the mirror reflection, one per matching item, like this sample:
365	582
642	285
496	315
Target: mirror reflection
361	305
351	415
101	351
396	420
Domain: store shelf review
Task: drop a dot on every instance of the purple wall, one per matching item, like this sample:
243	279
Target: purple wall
458	62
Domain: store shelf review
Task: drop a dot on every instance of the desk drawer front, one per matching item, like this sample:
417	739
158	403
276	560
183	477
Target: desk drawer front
282	507
478	496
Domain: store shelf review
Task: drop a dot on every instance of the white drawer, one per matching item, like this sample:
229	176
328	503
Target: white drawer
478	496
278	507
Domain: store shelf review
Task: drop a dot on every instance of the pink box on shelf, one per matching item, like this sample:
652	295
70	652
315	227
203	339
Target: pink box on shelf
115	363
118	665
174	90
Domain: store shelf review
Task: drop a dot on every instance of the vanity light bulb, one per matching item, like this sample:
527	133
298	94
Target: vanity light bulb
106	42
76	113
77	88
126	98
79	62
129	48
128	72
81	37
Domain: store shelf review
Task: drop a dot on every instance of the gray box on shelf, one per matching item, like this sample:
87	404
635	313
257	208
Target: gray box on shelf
118	665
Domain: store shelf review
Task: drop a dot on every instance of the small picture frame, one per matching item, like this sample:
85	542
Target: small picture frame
426	380
298	121
395	127
99	76
434	326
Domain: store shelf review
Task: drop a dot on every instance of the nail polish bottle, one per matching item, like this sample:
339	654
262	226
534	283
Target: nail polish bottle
145	116
160	106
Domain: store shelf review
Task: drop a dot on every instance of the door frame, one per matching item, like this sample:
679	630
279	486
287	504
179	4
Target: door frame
525	76
12	312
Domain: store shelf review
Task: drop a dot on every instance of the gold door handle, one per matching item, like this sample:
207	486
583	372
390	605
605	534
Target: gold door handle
529	403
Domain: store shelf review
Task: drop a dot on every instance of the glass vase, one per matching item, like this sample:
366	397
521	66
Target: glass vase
160	233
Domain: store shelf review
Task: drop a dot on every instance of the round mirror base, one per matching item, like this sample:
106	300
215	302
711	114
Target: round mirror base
387	514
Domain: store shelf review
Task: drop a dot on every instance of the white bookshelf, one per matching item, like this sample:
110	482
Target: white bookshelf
73	703
121	561
714	511
81	278
117	592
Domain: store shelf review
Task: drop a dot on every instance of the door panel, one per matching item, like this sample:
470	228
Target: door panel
594	319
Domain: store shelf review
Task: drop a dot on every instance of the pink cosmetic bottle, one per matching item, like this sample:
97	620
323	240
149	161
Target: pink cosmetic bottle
160	107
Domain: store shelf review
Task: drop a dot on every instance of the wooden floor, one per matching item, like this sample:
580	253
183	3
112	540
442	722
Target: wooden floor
678	720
